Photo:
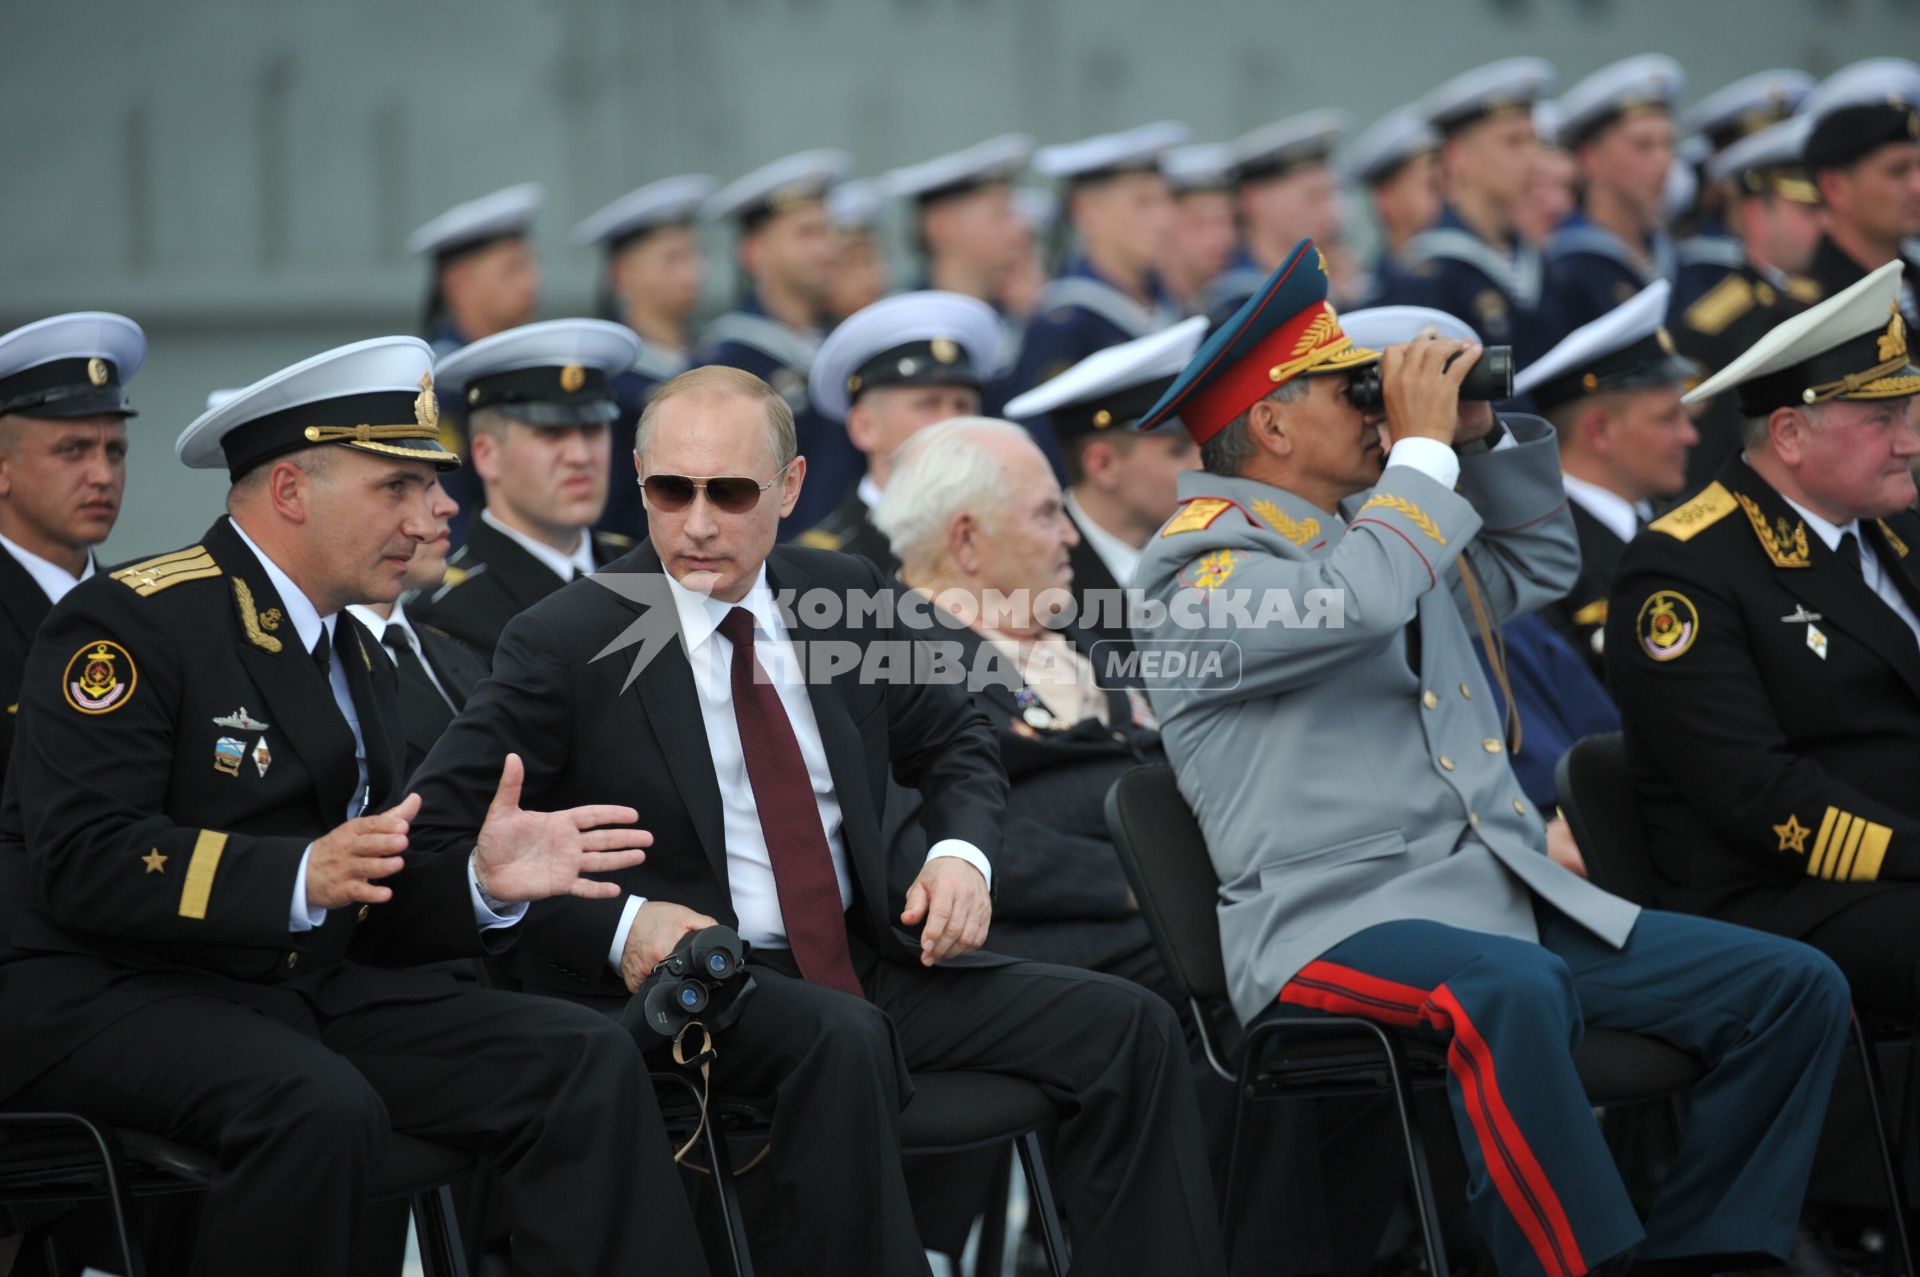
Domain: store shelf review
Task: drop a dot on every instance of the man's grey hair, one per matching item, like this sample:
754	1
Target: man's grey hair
1754	433
1228	452
939	472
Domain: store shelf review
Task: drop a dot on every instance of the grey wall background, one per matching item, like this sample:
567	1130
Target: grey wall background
239	177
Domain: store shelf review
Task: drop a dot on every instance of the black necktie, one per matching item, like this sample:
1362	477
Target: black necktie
323	655
1848	552
412	668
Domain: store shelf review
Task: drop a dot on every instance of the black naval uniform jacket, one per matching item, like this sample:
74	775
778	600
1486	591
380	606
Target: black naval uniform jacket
23	606
491	579
1060	894
849	529
1090	576
424	713
1717	327
1834	271
591	730
1771	705
1582	615
176	752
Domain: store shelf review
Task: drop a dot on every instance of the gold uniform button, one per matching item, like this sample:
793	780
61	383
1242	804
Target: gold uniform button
1519	808
1491	745
1430	701
293	960
1466	691
362	915
1446	764
1473	818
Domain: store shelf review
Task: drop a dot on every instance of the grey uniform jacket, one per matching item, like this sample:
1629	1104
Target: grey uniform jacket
1337	787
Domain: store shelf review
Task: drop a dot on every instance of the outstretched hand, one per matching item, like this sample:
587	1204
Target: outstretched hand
532	855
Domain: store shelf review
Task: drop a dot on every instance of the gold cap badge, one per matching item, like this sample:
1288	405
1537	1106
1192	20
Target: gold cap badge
97	371
426	408
572	377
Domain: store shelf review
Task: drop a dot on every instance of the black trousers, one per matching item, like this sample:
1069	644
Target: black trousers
1130	1158
1877	945
549	1094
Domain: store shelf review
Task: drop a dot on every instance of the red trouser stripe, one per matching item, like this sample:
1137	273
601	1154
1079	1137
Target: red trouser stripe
1517	1175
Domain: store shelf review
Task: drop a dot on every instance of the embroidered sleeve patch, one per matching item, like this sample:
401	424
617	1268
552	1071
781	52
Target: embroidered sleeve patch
100	678
1407	510
1210	571
1668	624
1848	848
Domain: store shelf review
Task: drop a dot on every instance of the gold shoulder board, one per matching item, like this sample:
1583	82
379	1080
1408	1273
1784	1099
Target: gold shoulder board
819	539
1196	514
1720	305
1804	290
150	576
1688	520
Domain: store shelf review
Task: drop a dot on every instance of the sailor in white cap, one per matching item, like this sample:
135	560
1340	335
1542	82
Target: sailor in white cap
1117	200
227	941
961	218
654	266
786	252
1035	212
1123	484
1618	125
1205	233
1397	162
1285	192
859	276
1863	152
1473	263
1773	210
1612	390
63	468
1550	180
1762	644
889	371
482	275
538	402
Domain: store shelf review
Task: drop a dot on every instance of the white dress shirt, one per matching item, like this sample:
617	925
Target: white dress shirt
308	625
756	901
397	621
1120	558
1615	513
1878	579
563	565
869	492
54	581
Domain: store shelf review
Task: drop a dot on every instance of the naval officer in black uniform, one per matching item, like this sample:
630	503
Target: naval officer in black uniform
208	806
1863	150
539	402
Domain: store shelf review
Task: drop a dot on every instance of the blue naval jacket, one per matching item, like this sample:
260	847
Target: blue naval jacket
463	485
1559	700
1497	289
1702	260
1590	271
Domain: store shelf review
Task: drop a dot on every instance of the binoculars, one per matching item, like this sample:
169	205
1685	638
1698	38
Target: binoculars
1491	379
705	978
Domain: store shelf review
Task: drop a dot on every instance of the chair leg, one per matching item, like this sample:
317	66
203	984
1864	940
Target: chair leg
1033	1159
720	1159
1425	1206
990	1258
1889	1156
436	1228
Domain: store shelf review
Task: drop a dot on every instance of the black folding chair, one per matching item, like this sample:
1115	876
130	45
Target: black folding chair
1318	1057
1595	789
56	1157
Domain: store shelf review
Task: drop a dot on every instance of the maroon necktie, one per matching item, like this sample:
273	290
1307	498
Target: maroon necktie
803	874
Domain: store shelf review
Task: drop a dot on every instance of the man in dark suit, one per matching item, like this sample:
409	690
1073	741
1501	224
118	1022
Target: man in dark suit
210	915
760	760
1763	642
539	400
63	467
1124	484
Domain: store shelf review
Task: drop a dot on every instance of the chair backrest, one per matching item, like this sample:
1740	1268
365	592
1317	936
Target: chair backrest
1165	858
1595	789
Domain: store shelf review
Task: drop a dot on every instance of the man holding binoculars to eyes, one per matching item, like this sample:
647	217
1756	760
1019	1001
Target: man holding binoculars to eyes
1377	855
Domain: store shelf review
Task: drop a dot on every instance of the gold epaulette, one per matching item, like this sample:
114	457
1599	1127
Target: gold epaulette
1720	305
1804	290
167	570
1690	518
1594	613
819	539
618	540
1196	514
452	577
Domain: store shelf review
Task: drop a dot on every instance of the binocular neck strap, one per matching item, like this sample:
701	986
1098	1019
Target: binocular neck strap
702	1058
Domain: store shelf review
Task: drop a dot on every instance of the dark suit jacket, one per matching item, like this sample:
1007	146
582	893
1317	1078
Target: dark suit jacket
22	607
592	730
424	713
491	579
1059	892
1774	765
849	529
143	856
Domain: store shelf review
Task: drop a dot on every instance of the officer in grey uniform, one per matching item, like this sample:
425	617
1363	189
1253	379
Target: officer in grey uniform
1337	741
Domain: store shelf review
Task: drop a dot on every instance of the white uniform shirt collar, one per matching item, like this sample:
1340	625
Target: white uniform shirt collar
378	624
1615	513
869	492
562	565
1121	559
307	621
1829	533
54	581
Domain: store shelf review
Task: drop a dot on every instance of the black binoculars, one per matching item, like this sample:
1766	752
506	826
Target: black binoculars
1491	379
704	978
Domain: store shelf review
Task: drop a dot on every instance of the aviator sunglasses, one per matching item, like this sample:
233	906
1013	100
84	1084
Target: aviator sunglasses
729	494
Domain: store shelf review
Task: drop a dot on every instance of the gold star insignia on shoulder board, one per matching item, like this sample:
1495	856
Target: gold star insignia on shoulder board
154	861
1793	835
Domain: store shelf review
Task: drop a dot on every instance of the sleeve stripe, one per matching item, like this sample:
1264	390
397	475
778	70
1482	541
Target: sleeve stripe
1820	843
1844	861
207	850
1873	849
